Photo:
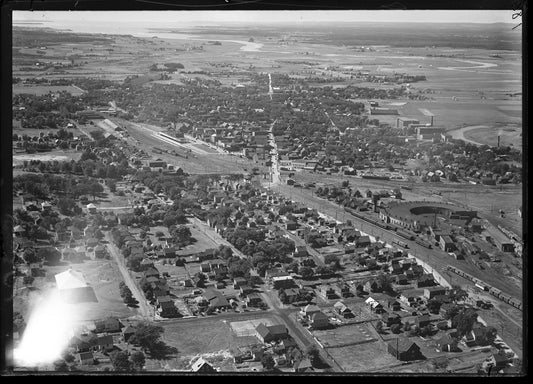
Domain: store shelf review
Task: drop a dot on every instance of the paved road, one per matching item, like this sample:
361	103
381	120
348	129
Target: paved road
303	337
144	309
213	235
436	258
312	252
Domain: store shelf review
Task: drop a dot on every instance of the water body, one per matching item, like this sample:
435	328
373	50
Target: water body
134	29
477	65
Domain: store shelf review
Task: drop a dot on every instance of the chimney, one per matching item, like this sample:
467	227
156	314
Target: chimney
432	121
498	141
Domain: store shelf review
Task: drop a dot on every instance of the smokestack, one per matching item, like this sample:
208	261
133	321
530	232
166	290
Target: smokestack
432	121
498	141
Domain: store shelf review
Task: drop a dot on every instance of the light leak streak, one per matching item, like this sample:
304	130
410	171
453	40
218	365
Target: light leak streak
50	327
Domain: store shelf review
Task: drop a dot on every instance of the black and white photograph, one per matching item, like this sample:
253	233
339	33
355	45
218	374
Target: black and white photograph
294	192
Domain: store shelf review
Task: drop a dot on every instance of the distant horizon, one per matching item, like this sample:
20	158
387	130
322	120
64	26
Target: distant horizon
214	17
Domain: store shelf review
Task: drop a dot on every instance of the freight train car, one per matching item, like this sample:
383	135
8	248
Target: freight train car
405	234
423	243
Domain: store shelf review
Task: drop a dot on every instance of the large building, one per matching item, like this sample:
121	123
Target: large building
422	214
383	111
425	132
73	288
404	122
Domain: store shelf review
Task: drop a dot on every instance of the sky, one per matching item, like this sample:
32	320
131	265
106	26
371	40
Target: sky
217	17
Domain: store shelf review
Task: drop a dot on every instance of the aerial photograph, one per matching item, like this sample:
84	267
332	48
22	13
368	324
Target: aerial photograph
267	192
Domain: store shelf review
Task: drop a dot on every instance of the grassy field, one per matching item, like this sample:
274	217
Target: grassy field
102	275
203	242
58	155
212	339
347	334
40	90
508	136
455	362
363	357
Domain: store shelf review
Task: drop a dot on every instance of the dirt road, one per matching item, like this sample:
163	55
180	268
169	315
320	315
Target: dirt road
144	309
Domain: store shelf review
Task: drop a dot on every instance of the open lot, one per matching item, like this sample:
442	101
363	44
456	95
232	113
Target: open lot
102	275
213	339
40	90
346	335
57	155
203	242
363	357
247	327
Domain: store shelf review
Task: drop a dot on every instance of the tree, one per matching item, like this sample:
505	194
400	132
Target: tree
323	270
452	312
18	322
379	326
66	205
464	321
396	328
239	268
134	263
386	282
306	272
120	361
268	362
30	256
331	259
97	135
50	255
425	331
312	353
68	357
147	336
60	366
490	335
181	234
255	280
137	359
434	305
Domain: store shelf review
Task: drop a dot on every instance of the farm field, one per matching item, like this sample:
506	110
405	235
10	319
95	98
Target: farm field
40	90
452	114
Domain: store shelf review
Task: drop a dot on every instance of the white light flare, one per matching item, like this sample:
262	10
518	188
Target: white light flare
49	329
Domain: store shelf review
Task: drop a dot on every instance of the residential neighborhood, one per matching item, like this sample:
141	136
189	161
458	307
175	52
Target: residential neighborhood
206	205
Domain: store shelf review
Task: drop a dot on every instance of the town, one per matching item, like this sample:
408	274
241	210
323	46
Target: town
203	214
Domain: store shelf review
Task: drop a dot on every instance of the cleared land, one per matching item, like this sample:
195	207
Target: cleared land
102	275
47	156
40	90
213	339
247	328
202	243
346	335
363	357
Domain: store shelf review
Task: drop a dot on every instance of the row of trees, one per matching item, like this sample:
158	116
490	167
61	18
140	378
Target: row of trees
127	295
